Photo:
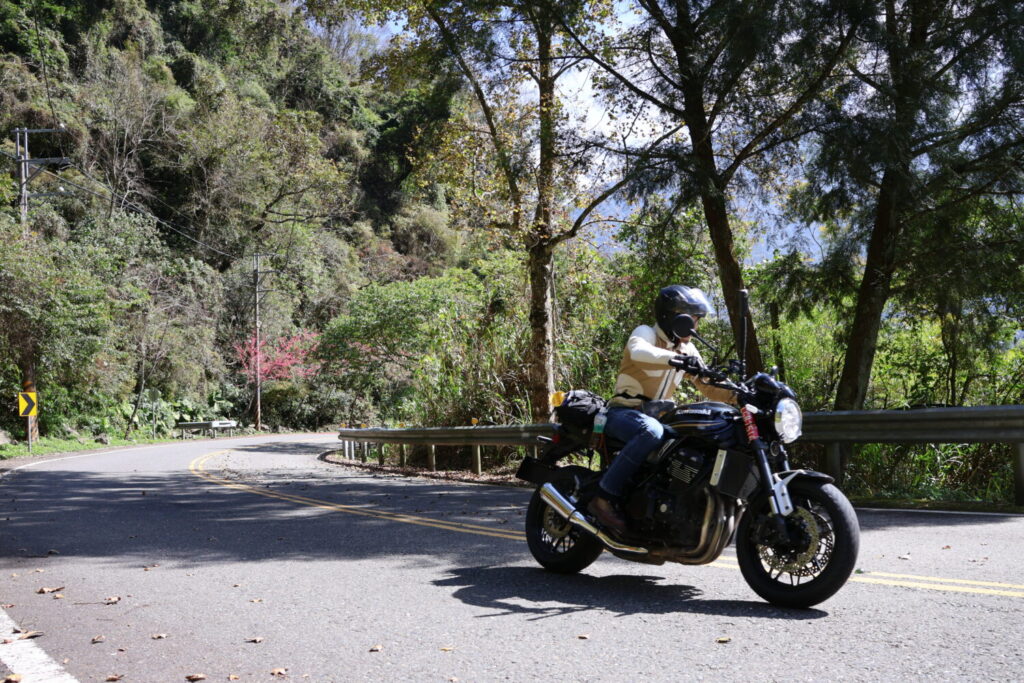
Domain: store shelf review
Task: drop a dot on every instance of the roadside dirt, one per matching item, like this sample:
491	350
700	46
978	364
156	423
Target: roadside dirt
500	478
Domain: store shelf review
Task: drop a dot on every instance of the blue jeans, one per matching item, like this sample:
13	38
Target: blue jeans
641	434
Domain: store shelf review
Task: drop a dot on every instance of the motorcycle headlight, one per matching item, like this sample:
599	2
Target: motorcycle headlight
789	420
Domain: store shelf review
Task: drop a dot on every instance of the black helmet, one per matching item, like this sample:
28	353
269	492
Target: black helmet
676	300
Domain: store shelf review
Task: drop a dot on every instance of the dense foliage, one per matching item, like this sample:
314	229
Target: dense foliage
401	194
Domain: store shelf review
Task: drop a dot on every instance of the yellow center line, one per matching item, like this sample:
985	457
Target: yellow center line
937	586
970	582
197	467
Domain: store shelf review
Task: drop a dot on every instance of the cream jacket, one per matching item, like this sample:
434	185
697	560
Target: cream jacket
645	371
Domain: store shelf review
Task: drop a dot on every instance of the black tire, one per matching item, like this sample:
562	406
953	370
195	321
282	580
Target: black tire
828	535
557	545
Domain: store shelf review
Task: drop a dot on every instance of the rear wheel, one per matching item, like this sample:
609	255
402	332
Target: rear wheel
816	556
555	543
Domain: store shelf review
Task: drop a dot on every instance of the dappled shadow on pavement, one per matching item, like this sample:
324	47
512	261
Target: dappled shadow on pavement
179	518
876	520
540	594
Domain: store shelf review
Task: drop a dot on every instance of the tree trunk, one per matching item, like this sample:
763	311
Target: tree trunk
712	195
730	275
540	248
138	398
773	320
28	373
872	295
541	354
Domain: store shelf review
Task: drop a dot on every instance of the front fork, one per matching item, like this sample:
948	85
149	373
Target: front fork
779	500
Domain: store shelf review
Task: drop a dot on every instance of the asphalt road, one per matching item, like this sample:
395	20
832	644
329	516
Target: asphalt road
246	557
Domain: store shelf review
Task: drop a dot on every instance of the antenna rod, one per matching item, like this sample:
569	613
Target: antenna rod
744	313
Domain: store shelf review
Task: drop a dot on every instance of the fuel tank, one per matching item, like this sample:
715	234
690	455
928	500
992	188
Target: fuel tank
707	421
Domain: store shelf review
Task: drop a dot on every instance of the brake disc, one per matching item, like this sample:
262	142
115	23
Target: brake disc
802	563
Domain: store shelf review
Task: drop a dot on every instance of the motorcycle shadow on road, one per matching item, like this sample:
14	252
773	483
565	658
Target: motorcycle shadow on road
540	594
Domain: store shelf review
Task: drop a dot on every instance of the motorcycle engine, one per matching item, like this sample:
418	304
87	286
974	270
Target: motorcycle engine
670	504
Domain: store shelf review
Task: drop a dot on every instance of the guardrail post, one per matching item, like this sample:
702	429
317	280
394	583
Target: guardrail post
1018	475
380	454
477	464
432	458
833	464
401	454
362	451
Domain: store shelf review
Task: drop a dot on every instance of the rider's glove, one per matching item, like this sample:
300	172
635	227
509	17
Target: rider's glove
689	364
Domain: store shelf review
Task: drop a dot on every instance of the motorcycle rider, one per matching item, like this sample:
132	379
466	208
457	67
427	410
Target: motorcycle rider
654	362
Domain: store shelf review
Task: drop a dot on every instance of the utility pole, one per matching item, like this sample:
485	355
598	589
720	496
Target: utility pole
257	281
28	168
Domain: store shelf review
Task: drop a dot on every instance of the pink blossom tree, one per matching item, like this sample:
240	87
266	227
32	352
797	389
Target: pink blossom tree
288	357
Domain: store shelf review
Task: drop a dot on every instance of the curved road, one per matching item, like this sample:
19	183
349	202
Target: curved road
247	559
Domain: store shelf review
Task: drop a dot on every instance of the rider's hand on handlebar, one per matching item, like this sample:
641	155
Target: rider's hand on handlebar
690	364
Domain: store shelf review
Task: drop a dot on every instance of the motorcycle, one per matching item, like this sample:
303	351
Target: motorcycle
720	475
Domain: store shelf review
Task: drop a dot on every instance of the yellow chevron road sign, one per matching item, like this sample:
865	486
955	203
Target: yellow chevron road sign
28	406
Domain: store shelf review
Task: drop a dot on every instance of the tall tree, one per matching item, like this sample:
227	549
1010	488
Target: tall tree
737	76
928	125
512	55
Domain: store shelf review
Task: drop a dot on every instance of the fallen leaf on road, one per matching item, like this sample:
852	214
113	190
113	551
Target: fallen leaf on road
256	600
376	648
98	639
858	571
158	636
7	605
257	639
47	589
58	596
40	571
13	678
149	567
7	641
115	677
51	551
195	677
447	649
280	673
723	639
30	634
232	677
904	557
947	547
583	636
112	600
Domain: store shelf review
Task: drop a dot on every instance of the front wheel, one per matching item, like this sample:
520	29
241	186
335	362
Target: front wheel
555	543
817	554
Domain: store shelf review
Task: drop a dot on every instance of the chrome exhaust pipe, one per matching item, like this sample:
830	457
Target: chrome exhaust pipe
550	495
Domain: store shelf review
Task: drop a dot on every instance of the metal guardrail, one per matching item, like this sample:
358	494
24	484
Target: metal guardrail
981	424
210	426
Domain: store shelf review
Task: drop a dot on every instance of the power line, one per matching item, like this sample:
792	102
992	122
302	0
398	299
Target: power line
82	170
140	209
42	63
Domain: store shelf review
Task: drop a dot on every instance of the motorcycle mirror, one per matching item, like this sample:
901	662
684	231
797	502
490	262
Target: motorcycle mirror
683	326
774	372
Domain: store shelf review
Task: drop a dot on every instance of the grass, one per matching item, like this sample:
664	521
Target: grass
51	445
931	504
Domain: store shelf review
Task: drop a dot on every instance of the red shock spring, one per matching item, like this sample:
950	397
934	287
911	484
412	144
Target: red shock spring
748	422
